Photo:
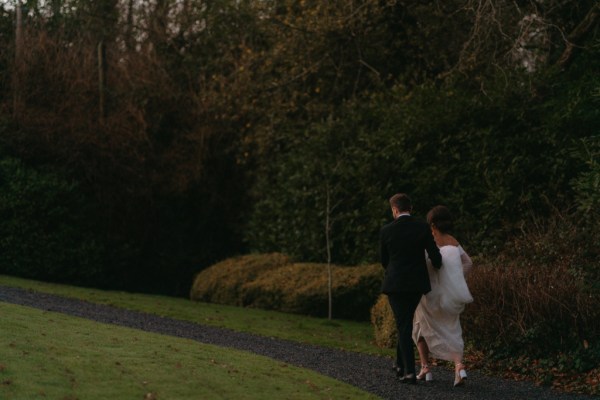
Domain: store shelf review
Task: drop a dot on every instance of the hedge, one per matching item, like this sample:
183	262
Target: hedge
275	282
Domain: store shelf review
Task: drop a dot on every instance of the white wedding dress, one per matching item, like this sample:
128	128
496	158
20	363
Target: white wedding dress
437	316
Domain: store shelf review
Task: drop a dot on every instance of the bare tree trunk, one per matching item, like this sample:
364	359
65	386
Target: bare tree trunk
18	59
129	40
19	31
328	242
102	80
160	22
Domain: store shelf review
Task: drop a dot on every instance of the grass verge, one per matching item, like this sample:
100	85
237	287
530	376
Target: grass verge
50	355
340	334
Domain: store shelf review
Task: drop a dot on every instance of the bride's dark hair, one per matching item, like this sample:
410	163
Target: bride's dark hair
440	218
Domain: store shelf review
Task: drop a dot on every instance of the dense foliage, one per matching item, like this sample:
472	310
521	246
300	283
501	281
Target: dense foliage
44	232
183	132
495	158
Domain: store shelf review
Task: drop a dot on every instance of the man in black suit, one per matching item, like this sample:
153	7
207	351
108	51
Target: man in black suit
403	245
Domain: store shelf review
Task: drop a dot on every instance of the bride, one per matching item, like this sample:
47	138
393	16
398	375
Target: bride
436	328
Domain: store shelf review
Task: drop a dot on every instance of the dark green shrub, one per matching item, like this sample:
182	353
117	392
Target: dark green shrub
43	229
587	184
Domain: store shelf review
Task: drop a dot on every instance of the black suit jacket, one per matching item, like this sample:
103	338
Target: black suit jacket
403	245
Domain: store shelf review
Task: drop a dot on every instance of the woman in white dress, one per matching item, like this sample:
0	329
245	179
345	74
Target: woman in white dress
436	328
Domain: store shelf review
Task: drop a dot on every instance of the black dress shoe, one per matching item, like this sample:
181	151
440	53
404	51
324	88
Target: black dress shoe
399	372
409	379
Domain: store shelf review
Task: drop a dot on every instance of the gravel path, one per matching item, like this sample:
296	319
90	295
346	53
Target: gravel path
370	373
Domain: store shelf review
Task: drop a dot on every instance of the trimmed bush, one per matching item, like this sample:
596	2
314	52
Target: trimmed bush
382	318
223	282
272	282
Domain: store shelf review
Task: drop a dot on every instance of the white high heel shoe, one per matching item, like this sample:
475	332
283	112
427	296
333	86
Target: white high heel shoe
425	374
460	375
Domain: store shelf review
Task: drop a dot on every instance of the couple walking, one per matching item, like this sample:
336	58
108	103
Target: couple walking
424	281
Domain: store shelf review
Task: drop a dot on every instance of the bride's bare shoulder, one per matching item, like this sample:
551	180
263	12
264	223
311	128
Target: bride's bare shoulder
452	241
447	240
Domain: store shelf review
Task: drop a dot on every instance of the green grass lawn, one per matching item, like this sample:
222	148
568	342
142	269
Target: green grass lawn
47	355
51	356
348	335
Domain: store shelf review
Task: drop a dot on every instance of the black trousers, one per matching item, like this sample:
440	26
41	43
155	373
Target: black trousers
403	306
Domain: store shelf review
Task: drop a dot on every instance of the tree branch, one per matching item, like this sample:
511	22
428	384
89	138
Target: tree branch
578	34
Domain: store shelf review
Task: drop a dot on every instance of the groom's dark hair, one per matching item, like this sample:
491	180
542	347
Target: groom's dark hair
401	201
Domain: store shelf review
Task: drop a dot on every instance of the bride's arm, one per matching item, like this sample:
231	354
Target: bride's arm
467	264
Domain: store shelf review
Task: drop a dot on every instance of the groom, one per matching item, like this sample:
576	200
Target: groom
403	245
